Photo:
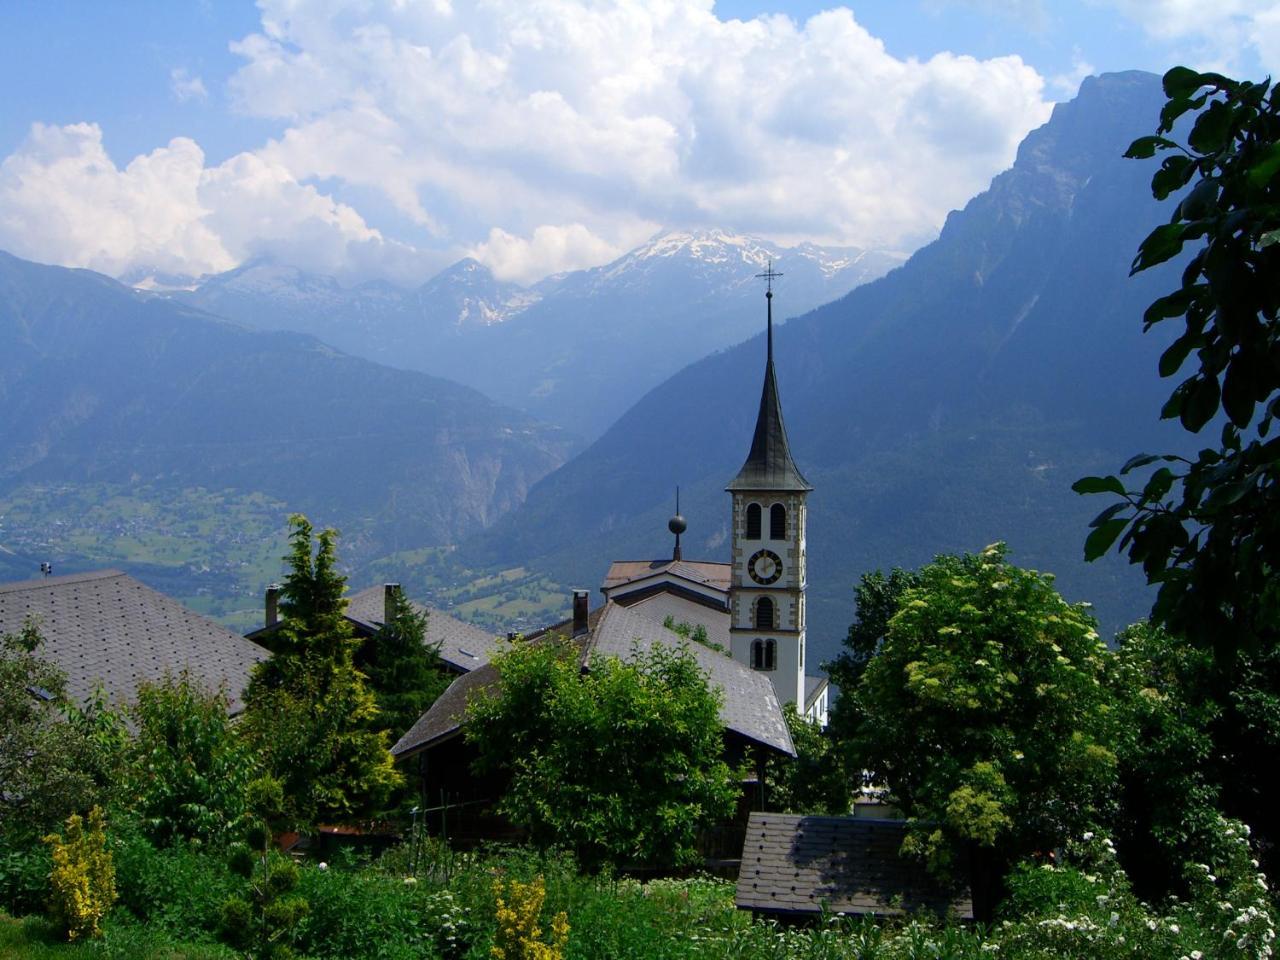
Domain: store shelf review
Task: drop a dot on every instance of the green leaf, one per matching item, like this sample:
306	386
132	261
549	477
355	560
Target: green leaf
1163	243
1262	172
1212	130
1145	147
1201	403
1158	485
1140	460
1237	392
1101	539
1107	514
1173	175
1171	360
1098	485
1269	238
1180	82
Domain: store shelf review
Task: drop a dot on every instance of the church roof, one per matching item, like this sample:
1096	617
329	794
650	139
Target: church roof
658	606
703	572
813	686
769	465
793	864
463	646
107	628
749	705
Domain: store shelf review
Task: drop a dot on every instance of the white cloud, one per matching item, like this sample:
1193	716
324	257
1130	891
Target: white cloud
63	200
185	87
603	116
1068	83
540	137
1216	35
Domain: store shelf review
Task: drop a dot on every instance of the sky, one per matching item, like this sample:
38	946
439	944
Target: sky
386	139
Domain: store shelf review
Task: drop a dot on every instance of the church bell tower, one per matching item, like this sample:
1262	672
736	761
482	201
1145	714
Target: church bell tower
768	578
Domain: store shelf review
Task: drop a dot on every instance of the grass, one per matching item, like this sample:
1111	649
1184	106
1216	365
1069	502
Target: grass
33	939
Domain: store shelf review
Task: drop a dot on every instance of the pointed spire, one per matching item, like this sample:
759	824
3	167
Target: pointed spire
769	465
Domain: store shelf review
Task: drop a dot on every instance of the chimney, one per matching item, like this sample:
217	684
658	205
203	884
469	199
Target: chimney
581	598
273	605
511	636
389	591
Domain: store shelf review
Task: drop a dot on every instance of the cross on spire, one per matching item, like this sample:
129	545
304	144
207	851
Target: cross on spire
768	277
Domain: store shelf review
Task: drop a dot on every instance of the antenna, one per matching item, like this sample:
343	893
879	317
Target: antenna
677	525
769	276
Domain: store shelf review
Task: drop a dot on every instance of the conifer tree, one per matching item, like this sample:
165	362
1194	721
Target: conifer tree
403	670
310	712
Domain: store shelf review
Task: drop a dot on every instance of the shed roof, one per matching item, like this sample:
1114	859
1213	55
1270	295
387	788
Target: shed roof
749	708
107	628
793	864
703	572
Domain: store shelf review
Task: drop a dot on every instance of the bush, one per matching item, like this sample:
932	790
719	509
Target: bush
24	877
177	889
518	913
361	913
83	879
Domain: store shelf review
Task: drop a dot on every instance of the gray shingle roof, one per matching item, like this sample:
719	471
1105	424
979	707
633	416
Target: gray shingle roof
812	687
657	607
802	865
705	572
106	627
463	646
750	706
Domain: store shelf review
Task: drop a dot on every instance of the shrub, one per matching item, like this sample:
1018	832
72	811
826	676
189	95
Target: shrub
178	889
24	877
518	911
83	880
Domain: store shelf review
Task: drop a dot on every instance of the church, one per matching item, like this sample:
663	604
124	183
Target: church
746	618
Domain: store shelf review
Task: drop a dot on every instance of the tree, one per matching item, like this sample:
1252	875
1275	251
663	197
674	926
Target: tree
814	780
188	769
986	715
405	673
49	767
1207	530
309	712
622	763
876	599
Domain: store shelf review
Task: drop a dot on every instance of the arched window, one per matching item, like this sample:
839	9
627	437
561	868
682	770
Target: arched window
753	522
777	522
763	655
764	614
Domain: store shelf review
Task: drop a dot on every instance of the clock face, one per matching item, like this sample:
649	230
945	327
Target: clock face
765	567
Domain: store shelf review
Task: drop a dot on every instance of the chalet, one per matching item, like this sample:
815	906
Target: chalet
107	630
462	646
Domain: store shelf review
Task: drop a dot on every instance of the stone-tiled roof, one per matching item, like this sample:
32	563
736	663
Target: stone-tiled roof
106	627
750	706
794	864
702	572
462	645
680	609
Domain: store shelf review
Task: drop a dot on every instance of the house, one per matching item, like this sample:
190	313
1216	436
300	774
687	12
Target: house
796	867
753	722
462	646
105	629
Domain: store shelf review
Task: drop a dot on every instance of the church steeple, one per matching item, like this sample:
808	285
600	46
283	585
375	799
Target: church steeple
769	465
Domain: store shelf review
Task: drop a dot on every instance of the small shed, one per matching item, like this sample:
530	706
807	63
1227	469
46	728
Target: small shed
796	866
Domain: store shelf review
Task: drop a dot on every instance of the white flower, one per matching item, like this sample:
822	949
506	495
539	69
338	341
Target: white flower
1173	928
1088	835
410	881
323	865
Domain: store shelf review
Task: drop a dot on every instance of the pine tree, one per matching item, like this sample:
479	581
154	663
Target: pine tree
404	672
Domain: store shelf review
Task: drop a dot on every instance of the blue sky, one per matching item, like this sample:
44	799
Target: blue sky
381	140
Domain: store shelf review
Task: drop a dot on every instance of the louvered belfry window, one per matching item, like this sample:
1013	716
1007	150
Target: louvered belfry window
777	522
753	522
763	655
764	613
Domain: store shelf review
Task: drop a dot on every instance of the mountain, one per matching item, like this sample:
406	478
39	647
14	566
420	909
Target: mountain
105	387
942	407
577	349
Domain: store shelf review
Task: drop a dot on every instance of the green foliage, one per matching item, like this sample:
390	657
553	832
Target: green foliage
519	934
406	675
876	599
262	920
986	714
814	781
1208	530
177	889
188	769
51	764
695	632
310	715
82	883
623	763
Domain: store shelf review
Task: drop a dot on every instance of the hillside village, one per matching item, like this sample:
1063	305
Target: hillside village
767	693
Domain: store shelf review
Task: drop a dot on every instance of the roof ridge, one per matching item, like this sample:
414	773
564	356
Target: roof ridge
42	583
